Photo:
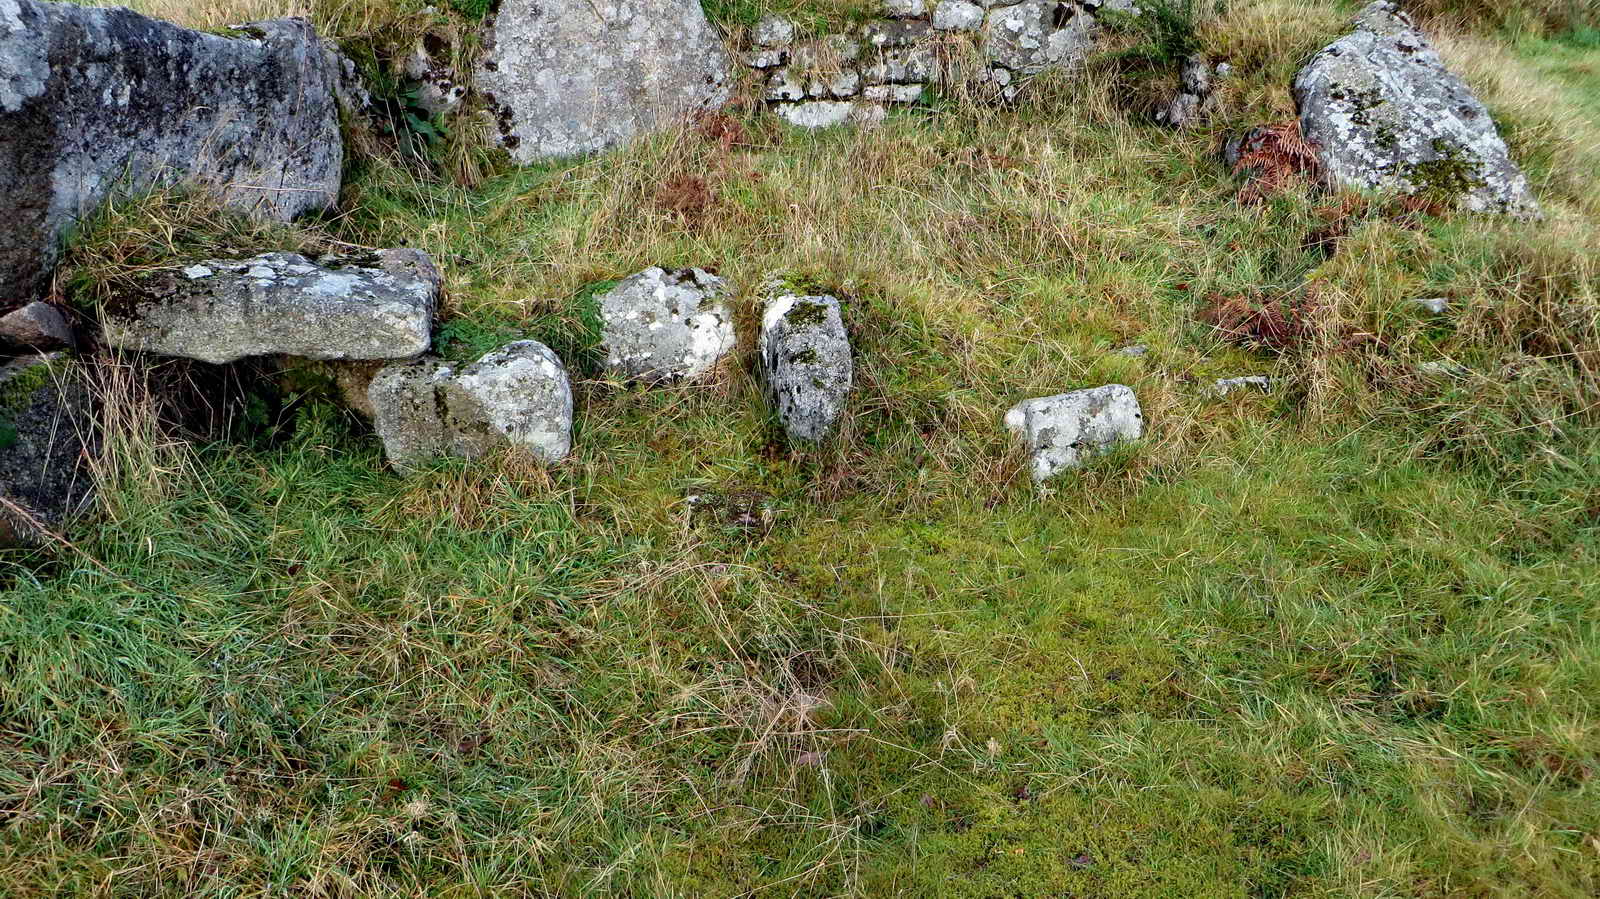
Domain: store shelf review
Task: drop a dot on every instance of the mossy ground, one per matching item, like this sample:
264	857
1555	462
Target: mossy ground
1336	640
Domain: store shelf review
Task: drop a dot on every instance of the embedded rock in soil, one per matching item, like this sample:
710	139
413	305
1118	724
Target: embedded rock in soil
805	362
96	101
1382	112
1063	431
46	437
660	325
374	306
517	396
1030	37
1224	386
565	77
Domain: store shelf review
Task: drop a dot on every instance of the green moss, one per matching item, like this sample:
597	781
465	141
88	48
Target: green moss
1451	173
18	390
806	314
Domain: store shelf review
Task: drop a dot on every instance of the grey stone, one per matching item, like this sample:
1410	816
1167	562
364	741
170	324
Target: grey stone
904	9
1435	305
565	77
839	86
901	66
515	397
1194	101
96	101
817	113
893	93
660	325
373	306
1035	35
46	437
957	15
785	84
773	31
1062	432
1134	350
434	82
1224	386
805	362
895	33
1442	369
1383	112
37	325
769	58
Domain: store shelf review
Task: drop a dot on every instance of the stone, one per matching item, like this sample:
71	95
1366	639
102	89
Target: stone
664	325
773	31
515	397
904	9
1064	431
895	33
785	84
1029	37
1443	369
957	15
436	87
46	438
37	325
1435	305
893	93
805	363
1224	386
565	77
1194	101
765	58
1383	113
817	113
839	86
373	306
94	102
901	66
1134	350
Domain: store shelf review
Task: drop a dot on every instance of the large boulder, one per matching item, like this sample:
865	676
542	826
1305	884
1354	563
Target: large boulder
378	305
1062	432
46	436
98	100
517	396
572	76
805	361
1382	112
660	325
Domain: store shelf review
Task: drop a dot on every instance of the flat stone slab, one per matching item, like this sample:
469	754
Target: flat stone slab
372	306
93	101
1062	432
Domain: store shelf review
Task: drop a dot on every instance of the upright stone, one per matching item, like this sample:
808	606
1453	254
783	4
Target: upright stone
572	76
1382	112
97	100
805	360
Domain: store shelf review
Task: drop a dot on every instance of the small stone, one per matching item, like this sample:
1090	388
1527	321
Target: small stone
893	93
1435	305
370	306
773	31
817	113
408	412
784	84
1063	431
911	64
435	87
660	325
1224	386
895	33
805	362
46	435
37	326
957	15
1135	350
765	59
867	116
904	9
1442	369
1036	35
842	85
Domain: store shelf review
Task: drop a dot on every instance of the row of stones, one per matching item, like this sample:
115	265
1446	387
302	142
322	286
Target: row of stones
820	82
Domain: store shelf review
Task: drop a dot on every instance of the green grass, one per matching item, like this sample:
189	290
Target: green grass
1338	640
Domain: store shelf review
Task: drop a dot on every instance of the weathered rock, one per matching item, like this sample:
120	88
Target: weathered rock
818	113
434	82
37	325
765	58
1435	305
904	9
1194	100
573	76
1383	112
895	33
840	86
901	66
773	31
517	396
46	437
893	93
1063	431
98	100
957	15
660	325
1224	386
375	306
1036	35
804	356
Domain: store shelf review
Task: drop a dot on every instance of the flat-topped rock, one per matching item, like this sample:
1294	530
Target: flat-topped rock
664	325
1062	432
378	305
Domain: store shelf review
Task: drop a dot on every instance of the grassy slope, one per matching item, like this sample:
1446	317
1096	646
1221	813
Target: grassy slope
1341	640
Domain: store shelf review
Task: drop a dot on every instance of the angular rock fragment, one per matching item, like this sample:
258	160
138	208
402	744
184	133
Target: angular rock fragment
1063	431
660	325
436	88
957	15
1382	112
805	362
1224	386
1032	36
37	325
46	437
94	101
565	77
773	31
373	306
517	396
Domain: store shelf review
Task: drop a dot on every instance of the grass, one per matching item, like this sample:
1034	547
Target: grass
1336	640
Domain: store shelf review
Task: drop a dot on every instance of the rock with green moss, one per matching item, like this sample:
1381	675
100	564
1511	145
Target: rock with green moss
46	436
1382	112
805	361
